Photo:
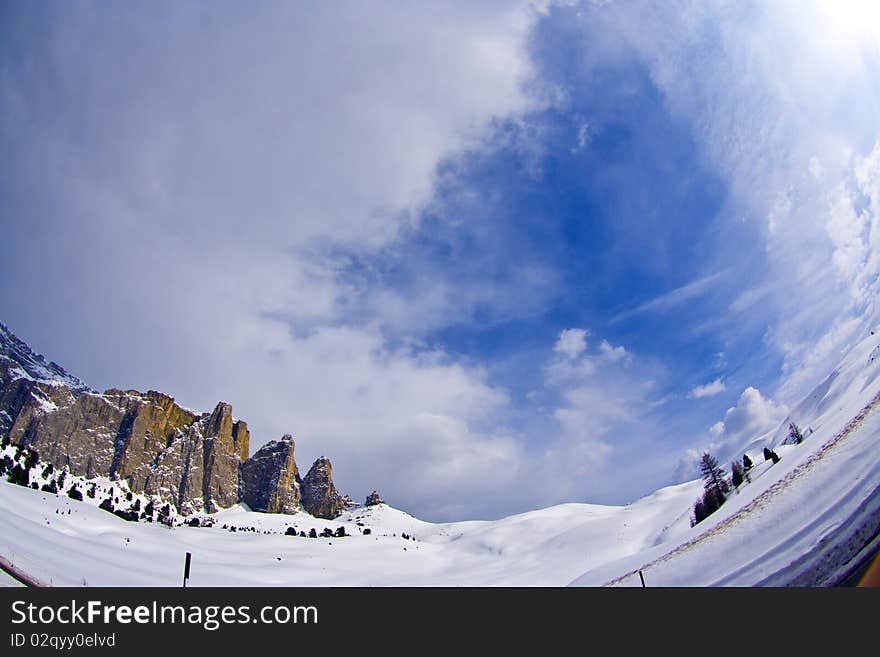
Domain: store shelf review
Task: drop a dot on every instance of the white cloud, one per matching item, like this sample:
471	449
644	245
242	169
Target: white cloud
707	390
571	342
751	416
613	353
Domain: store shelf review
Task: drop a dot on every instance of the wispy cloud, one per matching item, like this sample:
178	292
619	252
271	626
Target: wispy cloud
672	298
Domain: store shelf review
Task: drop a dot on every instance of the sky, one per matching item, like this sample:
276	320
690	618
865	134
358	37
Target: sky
487	257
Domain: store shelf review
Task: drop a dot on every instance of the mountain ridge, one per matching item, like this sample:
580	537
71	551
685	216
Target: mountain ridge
196	461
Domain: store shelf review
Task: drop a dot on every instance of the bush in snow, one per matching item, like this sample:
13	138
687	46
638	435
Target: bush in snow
130	516
30	458
313	533
50	487
340	532
19	475
74	493
165	515
290	531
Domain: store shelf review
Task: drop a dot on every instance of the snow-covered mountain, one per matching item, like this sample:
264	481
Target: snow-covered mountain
808	519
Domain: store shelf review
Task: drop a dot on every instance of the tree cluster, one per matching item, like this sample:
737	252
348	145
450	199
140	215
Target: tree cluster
770	455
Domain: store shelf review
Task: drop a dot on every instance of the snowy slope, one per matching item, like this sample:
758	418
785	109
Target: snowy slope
822	499
819	500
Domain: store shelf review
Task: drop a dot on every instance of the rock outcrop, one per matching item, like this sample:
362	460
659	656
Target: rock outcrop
374	499
319	495
270	480
197	461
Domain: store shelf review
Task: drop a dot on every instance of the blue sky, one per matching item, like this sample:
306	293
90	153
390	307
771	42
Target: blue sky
485	258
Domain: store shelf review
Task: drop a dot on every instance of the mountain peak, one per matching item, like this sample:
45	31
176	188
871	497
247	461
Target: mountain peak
21	361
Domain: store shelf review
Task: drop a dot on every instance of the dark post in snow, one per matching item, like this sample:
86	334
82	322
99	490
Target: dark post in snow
186	568
642	577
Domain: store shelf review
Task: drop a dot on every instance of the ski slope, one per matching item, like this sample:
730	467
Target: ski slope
803	520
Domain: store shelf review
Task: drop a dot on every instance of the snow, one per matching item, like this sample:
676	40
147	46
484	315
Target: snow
24	363
822	494
46	405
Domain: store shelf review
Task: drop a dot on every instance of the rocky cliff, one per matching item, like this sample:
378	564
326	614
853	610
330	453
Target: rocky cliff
270	480
197	461
319	495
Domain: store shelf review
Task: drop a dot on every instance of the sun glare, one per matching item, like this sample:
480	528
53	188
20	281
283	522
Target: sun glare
854	17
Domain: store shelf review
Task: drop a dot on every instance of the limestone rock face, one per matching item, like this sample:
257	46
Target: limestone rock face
270	480
161	448
319	495
196	461
373	499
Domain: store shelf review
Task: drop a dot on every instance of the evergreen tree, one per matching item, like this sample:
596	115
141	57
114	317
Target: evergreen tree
714	488
747	463
714	477
794	434
736	473
767	454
